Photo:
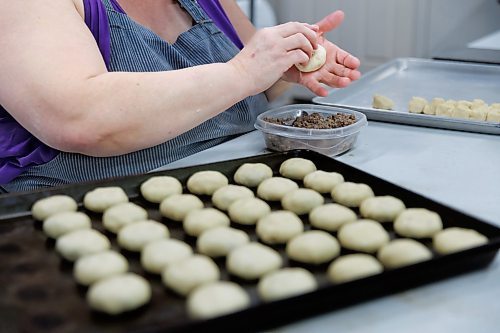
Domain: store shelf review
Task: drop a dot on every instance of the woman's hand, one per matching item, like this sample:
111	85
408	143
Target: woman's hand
273	51
340	69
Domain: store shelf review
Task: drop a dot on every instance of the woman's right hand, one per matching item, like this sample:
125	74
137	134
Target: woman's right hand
272	51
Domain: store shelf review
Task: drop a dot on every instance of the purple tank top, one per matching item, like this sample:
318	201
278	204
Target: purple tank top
20	150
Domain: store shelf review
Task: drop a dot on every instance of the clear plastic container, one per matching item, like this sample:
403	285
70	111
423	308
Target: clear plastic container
329	142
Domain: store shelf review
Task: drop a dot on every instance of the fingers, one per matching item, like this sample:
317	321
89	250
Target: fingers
298	57
298	41
347	59
342	71
331	21
292	28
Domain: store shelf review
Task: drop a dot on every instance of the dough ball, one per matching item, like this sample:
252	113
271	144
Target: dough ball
95	267
322	181
46	207
417	105
102	198
331	217
158	255
444	110
135	236
177	206
457	239
352	267
479	113
431	109
493	115
363	235
253	260
274	189
198	221
120	215
248	211
418	223
461	112
296	168
225	196
218	242
216	299
351	194
79	243
382	209
302	201
206	182
403	252
119	293
478	103
279	226
382	102
286	282
317	60
62	223
184	276
252	174
157	188
313	247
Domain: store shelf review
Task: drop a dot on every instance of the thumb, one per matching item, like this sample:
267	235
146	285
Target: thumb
331	21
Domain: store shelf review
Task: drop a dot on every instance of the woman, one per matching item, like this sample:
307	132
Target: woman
91	89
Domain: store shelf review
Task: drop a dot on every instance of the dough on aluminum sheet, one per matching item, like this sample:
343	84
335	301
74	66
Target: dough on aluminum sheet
461	111
253	260
493	115
60	224
403	252
317	60
46	207
135	236
417	105
322	181
351	194
198	221
248	211
297	168
95	267
382	102
79	243
158	255
119	293
216	299
275	188
252	174
123	214
352	267
331	217
286	282
279	226
102	198
186	275
225	196
157	188
177	206
313	247
363	235
382	209
430	109
479	113
218	242
206	182
457	239
302	201
444	109
418	223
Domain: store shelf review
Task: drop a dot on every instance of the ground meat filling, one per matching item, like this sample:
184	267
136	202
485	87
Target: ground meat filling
315	121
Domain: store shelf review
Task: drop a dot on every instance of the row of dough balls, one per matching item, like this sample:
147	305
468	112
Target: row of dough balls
112	289
476	109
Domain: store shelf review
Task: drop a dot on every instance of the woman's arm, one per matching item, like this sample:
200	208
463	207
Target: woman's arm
54	82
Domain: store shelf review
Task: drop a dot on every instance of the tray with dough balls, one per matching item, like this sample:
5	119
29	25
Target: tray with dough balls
430	93
239	245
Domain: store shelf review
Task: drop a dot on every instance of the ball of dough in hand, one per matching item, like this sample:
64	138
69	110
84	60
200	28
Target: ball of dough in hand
317	60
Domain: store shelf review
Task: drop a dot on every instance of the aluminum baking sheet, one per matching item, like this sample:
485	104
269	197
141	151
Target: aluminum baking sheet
39	294
403	78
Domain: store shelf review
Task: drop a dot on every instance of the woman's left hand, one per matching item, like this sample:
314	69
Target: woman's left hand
340	69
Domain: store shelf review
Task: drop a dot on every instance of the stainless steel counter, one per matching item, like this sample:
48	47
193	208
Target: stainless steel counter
459	169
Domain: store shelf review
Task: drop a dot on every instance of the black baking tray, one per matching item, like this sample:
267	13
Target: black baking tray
39	294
